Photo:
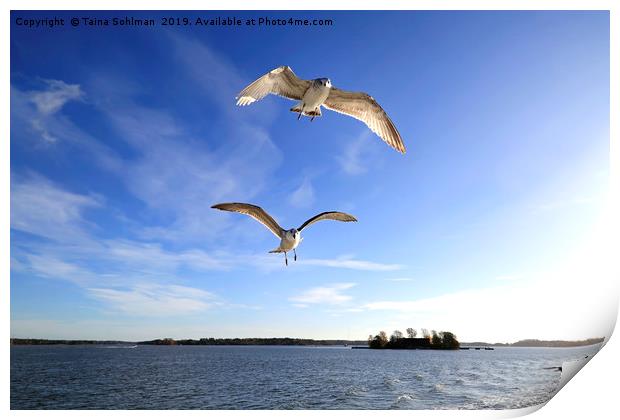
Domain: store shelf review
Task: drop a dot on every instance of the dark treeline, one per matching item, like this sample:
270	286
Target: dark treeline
443	340
286	341
41	341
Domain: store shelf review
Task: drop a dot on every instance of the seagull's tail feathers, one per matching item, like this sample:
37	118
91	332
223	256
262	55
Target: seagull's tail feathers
297	108
276	251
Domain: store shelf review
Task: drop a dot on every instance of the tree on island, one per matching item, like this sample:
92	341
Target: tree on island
379	341
396	335
411	333
449	341
443	340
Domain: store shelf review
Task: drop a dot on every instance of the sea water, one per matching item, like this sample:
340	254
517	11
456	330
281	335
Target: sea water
283	377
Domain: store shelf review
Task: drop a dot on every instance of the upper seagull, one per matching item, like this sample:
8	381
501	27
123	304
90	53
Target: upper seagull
289	239
312	94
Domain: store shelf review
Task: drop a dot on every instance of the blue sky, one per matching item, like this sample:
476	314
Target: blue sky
122	139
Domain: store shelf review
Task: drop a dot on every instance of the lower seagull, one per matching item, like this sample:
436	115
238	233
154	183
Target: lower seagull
289	239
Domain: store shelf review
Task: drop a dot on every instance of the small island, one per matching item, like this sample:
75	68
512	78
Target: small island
433	340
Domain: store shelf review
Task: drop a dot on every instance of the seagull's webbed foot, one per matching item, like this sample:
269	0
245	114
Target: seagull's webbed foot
312	119
295	255
285	259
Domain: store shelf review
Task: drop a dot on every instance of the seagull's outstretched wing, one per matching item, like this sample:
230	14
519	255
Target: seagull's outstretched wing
255	212
281	81
363	107
331	215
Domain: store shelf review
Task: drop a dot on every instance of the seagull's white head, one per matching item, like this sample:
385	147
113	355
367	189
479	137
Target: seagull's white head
325	82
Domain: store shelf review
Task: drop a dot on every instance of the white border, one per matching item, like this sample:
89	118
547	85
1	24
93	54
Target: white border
593	395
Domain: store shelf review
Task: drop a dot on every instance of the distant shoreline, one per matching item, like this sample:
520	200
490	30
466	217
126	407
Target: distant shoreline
288	342
539	343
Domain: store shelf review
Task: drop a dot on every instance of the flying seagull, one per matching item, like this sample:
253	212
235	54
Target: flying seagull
289	239
312	94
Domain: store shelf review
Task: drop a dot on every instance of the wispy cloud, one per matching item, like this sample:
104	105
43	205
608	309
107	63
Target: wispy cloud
41	208
57	94
178	172
72	251
156	300
400	279
38	122
183	178
175	171
152	254
36	109
303	196
329	294
53	267
357	156
351	263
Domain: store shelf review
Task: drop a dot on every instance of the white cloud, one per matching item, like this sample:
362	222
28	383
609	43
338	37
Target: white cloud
41	208
356	158
30	125
49	266
400	279
58	93
303	196
330	295
350	263
37	109
153	256
156	300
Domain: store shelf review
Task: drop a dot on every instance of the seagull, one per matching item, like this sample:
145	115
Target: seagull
312	94
289	239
